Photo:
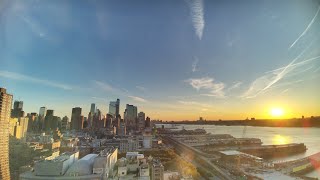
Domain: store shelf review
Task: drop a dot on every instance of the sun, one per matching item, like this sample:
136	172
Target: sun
277	112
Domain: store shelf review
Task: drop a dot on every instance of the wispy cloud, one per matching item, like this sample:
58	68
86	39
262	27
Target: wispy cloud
35	27
206	83
141	88
138	99
194	103
307	28
104	86
22	77
197	15
235	85
99	98
195	64
269	79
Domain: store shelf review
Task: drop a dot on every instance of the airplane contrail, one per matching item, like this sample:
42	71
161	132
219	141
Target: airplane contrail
304	32
197	13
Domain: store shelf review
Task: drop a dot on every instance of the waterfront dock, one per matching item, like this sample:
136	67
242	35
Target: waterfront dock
300	166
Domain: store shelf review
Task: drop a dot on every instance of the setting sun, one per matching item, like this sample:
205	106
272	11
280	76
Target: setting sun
276	112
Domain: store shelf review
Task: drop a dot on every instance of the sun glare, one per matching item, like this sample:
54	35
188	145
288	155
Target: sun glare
276	112
279	139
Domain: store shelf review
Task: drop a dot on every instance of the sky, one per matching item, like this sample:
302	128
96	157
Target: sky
175	60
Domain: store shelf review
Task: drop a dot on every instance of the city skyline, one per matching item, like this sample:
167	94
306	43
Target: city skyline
217	60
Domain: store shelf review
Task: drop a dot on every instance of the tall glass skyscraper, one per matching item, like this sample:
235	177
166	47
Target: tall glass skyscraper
5	111
114	107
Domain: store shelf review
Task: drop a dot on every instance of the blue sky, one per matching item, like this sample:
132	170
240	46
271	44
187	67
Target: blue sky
173	59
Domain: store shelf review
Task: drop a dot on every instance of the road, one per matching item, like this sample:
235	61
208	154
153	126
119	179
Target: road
199	158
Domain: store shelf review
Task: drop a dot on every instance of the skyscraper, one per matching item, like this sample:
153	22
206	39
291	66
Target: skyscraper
148	122
42	115
48	120
76	119
17	110
5	110
43	111
130	117
93	108
141	120
114	108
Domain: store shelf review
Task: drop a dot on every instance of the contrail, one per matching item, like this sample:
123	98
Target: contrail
197	13
296	64
304	32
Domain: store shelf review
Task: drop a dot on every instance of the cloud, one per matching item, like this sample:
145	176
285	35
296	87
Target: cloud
21	77
206	83
35	27
269	79
104	86
141	88
195	64
99	98
235	85
138	99
197	15
194	103
307	28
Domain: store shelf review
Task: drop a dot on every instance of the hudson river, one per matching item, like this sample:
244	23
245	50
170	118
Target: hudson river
270	135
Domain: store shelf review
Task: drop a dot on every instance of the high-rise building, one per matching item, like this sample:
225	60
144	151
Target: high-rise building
64	123
141	120
130	117
48	120
17	110
5	111
93	108
24	125
33	120
98	121
76	119
42	115
148	122
43	111
114	108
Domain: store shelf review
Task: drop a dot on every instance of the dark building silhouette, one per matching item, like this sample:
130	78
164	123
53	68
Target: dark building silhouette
64	123
148	122
48	120
17	110
76	119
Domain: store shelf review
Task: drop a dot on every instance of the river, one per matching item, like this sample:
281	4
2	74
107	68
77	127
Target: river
270	135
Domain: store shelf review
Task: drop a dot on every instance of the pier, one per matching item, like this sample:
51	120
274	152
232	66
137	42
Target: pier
300	166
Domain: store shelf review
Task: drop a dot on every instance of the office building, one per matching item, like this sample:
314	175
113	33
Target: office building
17	110
148	122
5	112
48	119
141	121
65	123
93	108
97	120
130	117
76	119
23	121
42	115
32	122
114	108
